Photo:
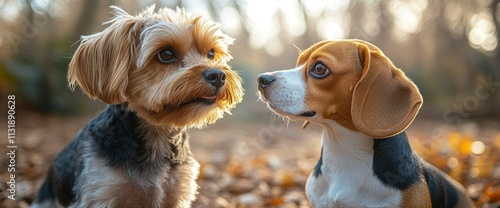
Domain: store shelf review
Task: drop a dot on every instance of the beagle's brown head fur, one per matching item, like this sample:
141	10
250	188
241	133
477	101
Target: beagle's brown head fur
350	82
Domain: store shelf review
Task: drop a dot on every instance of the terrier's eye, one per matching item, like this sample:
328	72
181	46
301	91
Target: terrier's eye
167	56
211	54
319	70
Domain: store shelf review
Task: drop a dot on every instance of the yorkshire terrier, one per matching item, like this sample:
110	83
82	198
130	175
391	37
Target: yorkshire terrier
161	73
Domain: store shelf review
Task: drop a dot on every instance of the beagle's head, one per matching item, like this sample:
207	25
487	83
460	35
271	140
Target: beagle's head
350	82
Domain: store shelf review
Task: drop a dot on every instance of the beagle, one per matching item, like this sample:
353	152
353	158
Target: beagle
364	104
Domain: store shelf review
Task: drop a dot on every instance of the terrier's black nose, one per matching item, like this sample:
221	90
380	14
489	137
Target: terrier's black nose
265	80
215	77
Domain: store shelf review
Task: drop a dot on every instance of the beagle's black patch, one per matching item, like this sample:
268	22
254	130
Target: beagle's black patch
394	163
443	194
317	169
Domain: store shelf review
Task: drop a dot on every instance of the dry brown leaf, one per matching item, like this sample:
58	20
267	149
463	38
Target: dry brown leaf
284	178
484	165
275	201
496	141
439	161
494	194
258	162
234	169
241	186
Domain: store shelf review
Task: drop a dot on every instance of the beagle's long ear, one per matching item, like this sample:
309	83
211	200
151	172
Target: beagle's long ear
102	62
384	101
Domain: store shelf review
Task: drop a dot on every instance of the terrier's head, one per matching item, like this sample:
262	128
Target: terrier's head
170	67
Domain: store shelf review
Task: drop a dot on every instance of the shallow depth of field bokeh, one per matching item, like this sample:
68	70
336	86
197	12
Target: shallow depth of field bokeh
252	158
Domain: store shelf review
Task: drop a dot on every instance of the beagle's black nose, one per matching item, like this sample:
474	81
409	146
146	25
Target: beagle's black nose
265	80
215	77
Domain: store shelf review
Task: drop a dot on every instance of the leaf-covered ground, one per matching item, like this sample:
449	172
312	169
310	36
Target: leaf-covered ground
266	163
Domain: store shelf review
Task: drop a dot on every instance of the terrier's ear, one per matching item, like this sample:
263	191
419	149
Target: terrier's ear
102	62
384	101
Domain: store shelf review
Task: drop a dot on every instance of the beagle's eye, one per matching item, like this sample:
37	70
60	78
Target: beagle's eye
167	56
211	54
319	71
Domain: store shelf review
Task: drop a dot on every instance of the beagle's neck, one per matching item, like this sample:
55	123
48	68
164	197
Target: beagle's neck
344	174
391	160
338	137
344	147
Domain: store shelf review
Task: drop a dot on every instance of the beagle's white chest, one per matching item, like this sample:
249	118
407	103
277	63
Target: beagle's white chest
344	177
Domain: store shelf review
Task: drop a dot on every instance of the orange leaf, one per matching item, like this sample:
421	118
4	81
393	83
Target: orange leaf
465	146
485	164
234	169
493	194
454	139
438	161
258	162
460	143
496	141
276	201
285	179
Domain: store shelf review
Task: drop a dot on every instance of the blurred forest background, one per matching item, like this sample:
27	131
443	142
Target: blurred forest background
449	48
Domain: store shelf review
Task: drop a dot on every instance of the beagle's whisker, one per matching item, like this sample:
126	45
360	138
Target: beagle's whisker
342	115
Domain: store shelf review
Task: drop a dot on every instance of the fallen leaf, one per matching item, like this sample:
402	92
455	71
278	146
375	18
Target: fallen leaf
275	201
284	178
494	194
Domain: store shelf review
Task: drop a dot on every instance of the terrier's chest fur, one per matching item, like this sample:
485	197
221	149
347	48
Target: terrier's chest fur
115	162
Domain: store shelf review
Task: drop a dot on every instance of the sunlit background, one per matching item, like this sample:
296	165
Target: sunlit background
449	48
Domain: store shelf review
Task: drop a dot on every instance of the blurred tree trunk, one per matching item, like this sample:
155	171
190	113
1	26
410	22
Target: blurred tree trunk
86	19
386	24
244	31
310	36
495	11
33	53
26	50
356	11
214	13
